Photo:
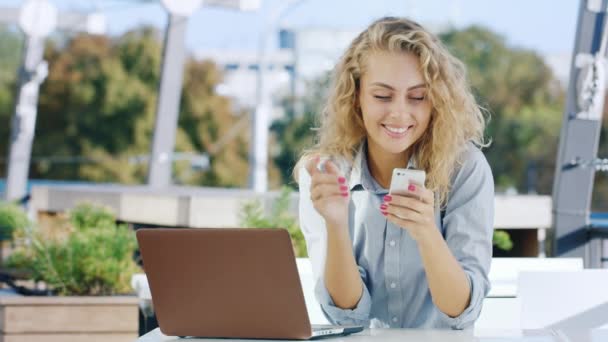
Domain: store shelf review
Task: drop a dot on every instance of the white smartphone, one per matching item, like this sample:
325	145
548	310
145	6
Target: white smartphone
402	178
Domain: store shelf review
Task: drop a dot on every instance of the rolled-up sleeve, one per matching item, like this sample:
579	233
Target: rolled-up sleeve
313	228
468	227
359	315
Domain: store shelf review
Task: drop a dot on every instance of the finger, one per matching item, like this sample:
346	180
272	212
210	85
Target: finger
331	168
406	214
327	190
408	202
325	178
400	222
311	165
419	191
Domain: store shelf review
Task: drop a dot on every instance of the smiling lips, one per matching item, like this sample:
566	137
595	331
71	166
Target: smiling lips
396	131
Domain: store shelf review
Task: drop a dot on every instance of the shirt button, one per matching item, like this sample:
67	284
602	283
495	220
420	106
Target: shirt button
393	285
395	319
392	243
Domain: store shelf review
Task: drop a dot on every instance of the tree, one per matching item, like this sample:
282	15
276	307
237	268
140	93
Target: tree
11	43
525	102
90	106
97	111
295	133
204	119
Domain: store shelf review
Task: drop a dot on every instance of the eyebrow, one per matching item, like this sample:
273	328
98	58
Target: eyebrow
384	85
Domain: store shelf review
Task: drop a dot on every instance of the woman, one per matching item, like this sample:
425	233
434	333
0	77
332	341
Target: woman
399	100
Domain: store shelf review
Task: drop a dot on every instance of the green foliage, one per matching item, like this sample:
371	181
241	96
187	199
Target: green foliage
12	219
97	110
94	258
294	132
253	215
502	240
10	52
87	216
526	102
205	119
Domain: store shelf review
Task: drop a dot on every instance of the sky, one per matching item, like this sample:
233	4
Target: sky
547	26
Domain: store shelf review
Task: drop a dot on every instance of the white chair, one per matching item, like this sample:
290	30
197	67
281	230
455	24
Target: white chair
315	314
568	301
502	308
505	271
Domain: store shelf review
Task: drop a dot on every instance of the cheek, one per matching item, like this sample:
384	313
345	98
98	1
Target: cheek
424	116
373	113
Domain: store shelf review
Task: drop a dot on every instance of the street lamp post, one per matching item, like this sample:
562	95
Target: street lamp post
258	152
37	19
170	89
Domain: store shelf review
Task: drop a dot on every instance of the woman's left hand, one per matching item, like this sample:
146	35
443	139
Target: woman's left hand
414	212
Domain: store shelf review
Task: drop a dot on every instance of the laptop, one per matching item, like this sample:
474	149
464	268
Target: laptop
227	283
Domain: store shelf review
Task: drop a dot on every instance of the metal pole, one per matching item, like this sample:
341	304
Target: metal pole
167	111
32	73
579	139
260	117
37	19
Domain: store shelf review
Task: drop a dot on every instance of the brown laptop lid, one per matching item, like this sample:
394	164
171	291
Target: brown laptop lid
237	283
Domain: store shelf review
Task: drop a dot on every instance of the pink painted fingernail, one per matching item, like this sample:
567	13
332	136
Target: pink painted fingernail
384	213
388	198
345	194
383	206
343	187
341	180
412	187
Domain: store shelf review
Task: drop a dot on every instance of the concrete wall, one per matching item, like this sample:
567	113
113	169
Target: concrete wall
216	207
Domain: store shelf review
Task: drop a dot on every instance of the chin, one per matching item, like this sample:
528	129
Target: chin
396	147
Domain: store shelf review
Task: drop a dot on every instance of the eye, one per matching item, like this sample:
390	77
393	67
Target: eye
382	98
417	98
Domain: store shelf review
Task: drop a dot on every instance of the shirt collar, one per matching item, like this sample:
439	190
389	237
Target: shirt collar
360	176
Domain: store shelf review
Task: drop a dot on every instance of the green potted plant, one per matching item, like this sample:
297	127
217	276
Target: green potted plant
253	215
12	217
502	241
12	220
86	262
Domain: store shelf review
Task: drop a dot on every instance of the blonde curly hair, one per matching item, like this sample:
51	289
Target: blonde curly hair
456	118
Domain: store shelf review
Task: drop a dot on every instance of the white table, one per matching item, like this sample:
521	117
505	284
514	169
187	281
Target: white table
418	335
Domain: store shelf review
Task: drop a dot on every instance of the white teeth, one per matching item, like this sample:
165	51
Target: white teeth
396	130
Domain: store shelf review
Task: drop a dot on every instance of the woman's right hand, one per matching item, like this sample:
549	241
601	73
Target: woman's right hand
329	192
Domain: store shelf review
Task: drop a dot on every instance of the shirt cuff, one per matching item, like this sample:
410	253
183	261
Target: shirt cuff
468	317
357	316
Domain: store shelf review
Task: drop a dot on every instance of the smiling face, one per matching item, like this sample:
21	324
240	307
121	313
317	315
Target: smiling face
393	97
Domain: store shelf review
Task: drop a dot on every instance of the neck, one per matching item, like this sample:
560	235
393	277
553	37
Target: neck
381	163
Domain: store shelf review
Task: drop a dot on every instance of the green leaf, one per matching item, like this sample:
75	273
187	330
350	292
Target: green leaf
253	215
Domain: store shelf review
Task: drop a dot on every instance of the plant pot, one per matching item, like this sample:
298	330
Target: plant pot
68	319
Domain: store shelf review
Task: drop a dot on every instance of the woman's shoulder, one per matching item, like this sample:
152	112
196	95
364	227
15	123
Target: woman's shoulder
471	163
472	154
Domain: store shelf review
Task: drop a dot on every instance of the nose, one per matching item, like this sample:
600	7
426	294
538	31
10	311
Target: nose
399	108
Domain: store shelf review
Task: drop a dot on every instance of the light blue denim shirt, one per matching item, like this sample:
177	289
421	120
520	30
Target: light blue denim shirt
396	293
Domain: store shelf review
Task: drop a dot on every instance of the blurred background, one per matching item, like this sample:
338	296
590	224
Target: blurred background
97	107
122	114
